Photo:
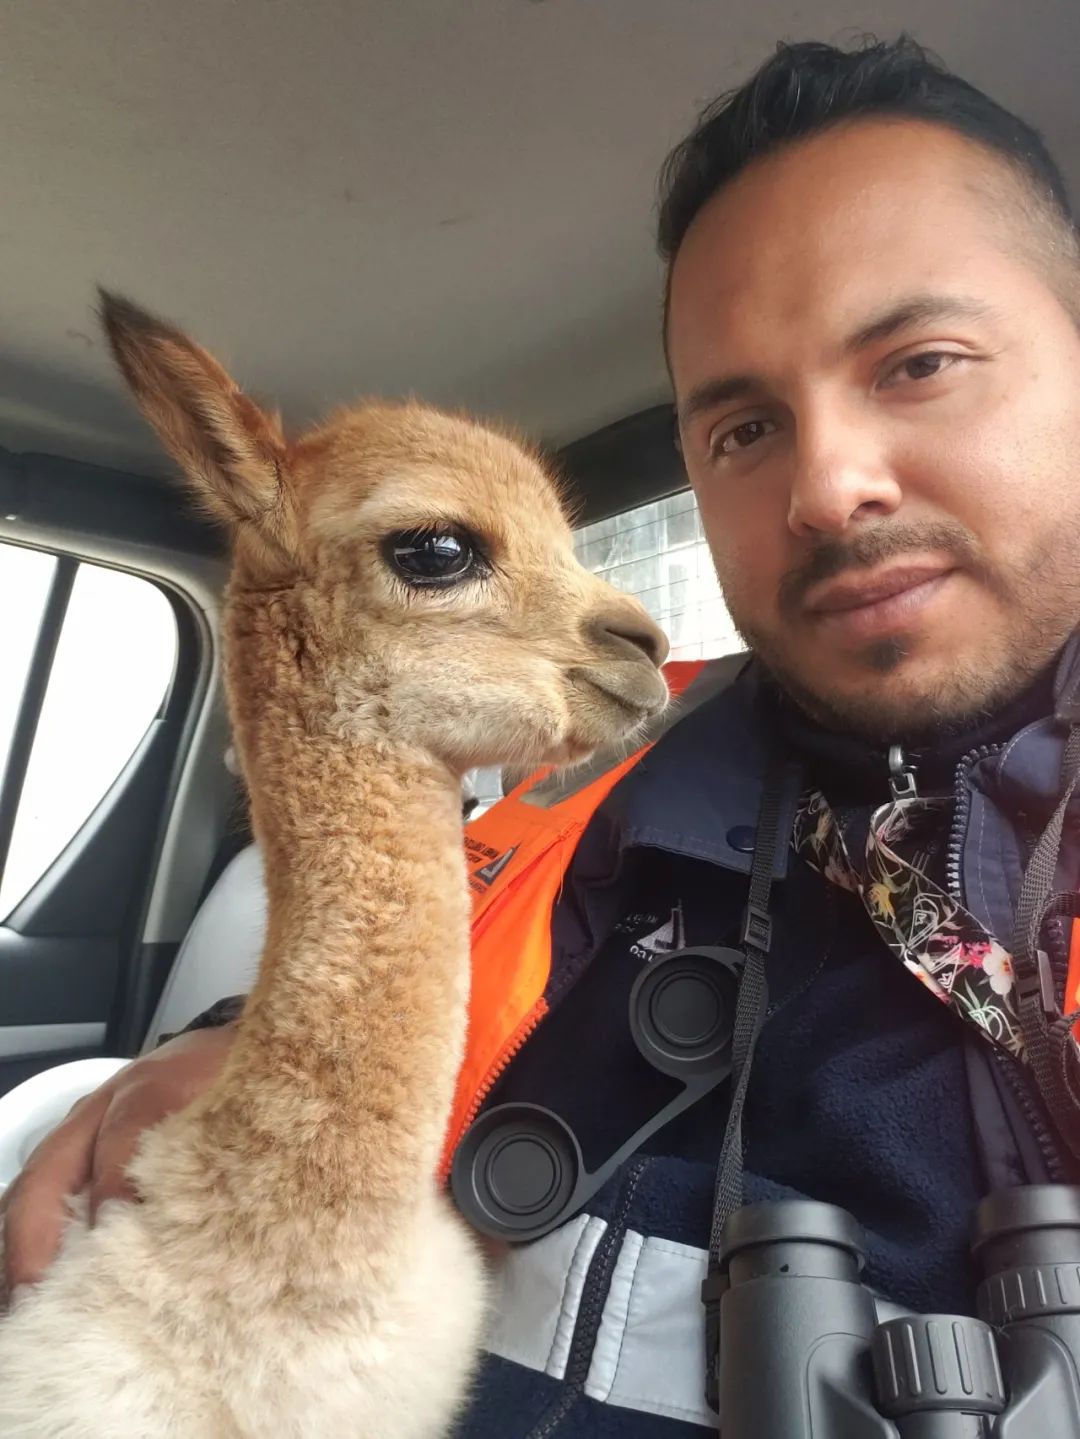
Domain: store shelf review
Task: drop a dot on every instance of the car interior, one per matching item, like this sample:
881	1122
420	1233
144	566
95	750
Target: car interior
339	199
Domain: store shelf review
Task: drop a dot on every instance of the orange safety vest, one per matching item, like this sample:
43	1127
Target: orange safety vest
517	855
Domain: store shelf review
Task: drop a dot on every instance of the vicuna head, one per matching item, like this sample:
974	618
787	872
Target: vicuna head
426	561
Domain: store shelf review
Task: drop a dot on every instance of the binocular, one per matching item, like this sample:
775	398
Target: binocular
806	1351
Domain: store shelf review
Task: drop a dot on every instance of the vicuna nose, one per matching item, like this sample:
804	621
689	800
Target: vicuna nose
626	627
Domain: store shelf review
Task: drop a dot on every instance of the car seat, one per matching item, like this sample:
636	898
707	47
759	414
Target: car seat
218	957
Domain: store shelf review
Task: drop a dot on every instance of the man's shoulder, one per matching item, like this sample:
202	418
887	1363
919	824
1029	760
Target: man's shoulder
697	790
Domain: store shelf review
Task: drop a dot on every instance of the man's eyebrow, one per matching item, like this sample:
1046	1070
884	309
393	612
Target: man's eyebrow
711	393
915	310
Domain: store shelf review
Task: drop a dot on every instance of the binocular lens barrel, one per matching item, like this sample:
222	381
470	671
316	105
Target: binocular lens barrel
795	1321
1026	1241
803	1355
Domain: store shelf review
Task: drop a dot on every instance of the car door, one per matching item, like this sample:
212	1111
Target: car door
97	667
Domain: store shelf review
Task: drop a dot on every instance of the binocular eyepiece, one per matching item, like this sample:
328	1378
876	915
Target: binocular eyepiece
806	1351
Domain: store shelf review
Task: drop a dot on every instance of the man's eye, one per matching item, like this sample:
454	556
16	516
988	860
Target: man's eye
921	367
739	437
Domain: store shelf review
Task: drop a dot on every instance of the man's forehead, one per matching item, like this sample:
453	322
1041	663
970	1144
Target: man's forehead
829	231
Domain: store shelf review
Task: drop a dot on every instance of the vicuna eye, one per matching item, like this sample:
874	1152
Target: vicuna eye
433	557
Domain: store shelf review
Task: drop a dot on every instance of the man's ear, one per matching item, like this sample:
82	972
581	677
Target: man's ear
232	451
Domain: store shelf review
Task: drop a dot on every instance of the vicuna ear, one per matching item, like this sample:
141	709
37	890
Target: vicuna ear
230	449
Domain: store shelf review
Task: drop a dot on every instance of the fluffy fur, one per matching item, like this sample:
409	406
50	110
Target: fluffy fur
292	1268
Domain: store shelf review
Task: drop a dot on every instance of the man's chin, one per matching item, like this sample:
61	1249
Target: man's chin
900	697
889	695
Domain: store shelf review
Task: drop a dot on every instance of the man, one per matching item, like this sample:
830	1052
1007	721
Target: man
871	331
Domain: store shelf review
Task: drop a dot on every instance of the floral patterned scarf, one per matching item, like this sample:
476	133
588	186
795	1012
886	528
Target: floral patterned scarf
931	933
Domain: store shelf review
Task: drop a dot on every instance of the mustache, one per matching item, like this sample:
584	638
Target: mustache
872	547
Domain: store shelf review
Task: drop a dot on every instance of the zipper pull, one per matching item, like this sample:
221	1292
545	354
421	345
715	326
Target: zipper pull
901	775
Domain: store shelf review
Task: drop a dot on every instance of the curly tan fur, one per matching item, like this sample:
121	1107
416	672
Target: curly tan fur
292	1268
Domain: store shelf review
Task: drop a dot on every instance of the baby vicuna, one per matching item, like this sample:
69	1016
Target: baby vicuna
404	604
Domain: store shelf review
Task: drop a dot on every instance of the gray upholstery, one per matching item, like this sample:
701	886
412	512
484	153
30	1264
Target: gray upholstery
221	951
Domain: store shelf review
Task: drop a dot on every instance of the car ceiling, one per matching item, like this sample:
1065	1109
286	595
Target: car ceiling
427	196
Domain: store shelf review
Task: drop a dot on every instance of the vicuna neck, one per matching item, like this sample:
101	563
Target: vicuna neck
351	1039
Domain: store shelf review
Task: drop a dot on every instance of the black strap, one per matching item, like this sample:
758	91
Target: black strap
1048	1041
750	1011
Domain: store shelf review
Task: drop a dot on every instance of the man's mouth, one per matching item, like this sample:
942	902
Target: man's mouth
872	605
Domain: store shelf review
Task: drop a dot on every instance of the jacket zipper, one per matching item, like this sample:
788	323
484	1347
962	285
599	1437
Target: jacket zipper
590	1315
1022	1090
1033	1116
954	855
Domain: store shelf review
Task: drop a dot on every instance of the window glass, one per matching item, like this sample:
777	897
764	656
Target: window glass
658	552
25	577
112	669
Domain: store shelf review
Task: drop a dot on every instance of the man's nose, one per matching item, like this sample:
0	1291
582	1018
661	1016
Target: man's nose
840	476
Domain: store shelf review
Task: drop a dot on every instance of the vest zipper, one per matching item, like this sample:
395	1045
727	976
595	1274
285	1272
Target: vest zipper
516	1043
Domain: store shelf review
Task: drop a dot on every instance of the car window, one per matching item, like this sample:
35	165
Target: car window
25	577
109	675
659	553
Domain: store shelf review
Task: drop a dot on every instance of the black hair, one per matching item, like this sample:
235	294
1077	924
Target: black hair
806	88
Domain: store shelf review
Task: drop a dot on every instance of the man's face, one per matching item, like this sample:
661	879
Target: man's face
879	401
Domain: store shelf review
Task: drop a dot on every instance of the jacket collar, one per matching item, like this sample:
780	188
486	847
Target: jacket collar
697	791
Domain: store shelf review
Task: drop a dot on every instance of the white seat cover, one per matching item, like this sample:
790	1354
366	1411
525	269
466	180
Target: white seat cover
34	1108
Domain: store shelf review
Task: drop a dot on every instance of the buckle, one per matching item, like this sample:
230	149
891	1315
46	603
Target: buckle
757	927
712	1291
1039	984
